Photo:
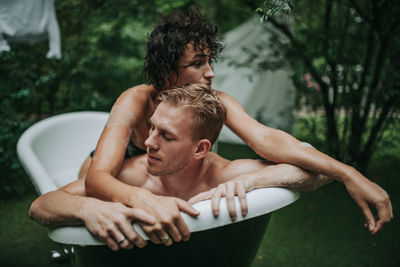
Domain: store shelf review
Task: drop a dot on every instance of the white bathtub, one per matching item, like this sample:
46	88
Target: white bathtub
52	151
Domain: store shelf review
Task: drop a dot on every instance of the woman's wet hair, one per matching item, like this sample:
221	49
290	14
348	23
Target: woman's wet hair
208	112
168	41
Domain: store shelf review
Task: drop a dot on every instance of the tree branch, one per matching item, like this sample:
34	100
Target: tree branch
327	24
372	138
331	62
375	18
359	11
356	128
345	31
376	78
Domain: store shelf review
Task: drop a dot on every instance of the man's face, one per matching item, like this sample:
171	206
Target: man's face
194	67
170	145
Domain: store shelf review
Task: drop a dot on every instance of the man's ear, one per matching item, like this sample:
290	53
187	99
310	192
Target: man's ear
202	148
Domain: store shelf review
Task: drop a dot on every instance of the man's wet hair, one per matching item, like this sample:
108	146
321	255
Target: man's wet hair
207	110
168	41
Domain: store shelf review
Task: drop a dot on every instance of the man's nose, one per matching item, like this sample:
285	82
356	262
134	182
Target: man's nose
150	142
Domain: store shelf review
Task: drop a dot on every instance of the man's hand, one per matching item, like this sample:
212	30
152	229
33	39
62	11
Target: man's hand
365	193
111	222
237	187
169	225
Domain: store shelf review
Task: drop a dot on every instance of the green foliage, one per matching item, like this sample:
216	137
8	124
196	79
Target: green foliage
270	7
342	54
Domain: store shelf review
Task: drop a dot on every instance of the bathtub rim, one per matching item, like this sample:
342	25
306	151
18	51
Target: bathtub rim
260	201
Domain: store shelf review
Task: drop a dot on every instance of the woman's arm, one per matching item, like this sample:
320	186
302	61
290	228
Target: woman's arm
252	174
126	115
280	147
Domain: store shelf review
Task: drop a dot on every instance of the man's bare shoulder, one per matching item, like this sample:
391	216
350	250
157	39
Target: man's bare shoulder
239	167
224	170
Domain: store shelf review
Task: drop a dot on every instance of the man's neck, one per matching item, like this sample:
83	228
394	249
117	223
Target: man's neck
187	181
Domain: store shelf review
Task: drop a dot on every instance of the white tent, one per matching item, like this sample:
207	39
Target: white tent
267	96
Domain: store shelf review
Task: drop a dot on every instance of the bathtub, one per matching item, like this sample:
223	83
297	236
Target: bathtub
52	151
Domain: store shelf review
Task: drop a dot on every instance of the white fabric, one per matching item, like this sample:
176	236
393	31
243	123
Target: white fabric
29	20
267	96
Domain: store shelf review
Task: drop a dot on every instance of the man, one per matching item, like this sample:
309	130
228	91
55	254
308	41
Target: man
178	166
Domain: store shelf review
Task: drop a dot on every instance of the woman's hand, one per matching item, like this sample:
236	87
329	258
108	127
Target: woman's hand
111	222
169	225
366	193
237	187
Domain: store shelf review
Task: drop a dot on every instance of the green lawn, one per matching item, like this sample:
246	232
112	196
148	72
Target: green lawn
22	241
323	228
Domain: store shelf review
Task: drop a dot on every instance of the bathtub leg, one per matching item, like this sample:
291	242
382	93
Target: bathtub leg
61	254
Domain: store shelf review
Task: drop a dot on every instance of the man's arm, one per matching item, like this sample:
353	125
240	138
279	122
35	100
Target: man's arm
280	147
109	222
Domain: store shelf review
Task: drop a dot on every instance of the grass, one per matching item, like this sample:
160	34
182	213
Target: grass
22	241
322	228
325	227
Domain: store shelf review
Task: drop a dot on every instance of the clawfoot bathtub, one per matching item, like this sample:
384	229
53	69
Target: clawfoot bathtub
52	151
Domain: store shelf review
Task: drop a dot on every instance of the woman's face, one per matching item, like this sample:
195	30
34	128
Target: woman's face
194	67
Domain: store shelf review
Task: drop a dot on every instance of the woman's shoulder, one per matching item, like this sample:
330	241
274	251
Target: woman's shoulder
140	90
228	100
139	93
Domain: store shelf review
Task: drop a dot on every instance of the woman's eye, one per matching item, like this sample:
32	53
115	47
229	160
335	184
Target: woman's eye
195	64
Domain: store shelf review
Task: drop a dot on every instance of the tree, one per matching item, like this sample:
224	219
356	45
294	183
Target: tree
349	51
